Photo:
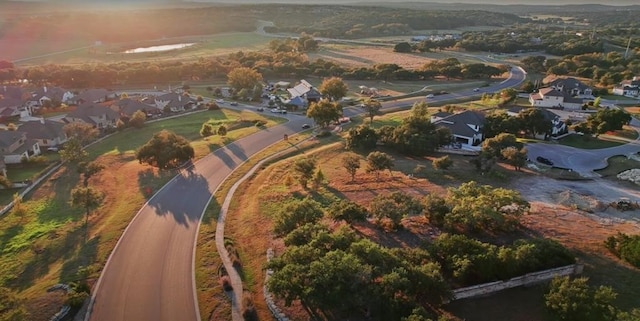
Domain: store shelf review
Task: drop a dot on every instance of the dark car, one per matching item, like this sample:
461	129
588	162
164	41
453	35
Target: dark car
260	109
306	126
545	161
234	104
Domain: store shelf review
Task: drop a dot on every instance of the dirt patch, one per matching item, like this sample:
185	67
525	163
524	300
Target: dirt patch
369	56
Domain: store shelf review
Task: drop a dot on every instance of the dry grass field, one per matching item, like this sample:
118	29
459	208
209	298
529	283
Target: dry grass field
556	218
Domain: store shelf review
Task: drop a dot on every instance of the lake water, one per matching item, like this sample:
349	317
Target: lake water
160	48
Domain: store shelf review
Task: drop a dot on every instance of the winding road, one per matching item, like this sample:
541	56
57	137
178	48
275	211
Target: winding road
150	273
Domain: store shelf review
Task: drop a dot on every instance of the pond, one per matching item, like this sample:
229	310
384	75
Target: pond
160	48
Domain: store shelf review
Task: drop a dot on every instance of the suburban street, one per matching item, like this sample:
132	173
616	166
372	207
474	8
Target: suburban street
583	161
150	273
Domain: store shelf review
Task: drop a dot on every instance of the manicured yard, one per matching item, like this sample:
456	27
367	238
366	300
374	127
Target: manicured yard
618	164
187	126
578	141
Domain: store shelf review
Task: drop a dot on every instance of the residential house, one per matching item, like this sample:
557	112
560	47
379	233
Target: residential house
95	96
572	87
567	93
47	95
126	107
12	102
306	91
46	133
558	127
547	97
96	115
629	88
10	107
14	146
12	92
439	115
465	127
175	102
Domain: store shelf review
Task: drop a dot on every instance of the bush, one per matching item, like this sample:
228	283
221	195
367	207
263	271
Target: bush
443	163
420	170
625	247
226	283
76	299
249	312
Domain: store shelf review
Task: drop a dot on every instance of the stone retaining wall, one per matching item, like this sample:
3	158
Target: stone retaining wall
268	297
527	279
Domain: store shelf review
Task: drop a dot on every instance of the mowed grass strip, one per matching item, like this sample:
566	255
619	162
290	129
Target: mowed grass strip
579	141
46	244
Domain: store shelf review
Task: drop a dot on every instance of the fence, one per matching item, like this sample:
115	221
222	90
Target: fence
30	188
527	279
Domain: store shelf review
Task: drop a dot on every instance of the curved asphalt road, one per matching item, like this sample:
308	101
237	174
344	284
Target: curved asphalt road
584	161
149	275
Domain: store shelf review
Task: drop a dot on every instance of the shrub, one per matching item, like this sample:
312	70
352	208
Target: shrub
420	170
443	163
76	299
625	247
249	311
226	283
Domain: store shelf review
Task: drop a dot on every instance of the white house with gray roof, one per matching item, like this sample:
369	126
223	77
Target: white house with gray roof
465	127
14	146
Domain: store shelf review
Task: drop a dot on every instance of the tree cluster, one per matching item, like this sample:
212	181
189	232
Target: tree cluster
467	261
603	121
575	300
337	275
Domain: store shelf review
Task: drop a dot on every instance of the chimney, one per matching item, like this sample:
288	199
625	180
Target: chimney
45	89
180	98
42	121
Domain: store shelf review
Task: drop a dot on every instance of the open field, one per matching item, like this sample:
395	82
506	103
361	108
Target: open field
366	56
46	245
206	46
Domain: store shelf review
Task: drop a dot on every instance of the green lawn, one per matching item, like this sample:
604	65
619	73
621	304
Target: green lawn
187	126
579	141
618	164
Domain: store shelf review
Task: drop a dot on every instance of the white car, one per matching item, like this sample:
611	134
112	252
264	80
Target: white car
476	89
220	101
429	96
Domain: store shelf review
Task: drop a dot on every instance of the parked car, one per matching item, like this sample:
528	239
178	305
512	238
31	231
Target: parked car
545	161
53	149
306	126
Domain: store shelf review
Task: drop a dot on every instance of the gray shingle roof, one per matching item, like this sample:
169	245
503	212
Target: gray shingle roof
45	129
